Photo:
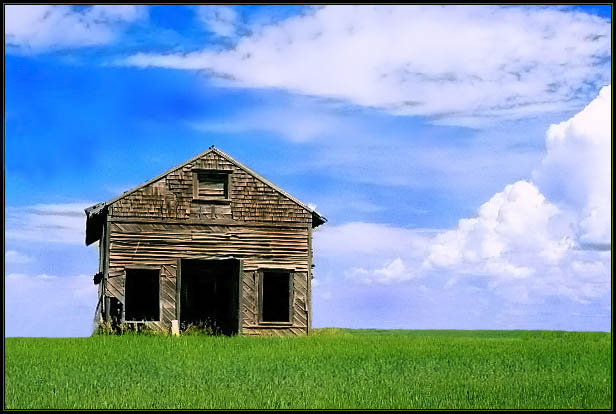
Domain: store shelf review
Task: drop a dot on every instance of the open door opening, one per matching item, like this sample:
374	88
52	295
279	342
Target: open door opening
209	294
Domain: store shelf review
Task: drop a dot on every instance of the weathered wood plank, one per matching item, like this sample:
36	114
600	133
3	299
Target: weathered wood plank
172	196
162	222
278	331
205	221
162	244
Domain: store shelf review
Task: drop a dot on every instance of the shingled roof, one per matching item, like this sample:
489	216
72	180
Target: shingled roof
96	214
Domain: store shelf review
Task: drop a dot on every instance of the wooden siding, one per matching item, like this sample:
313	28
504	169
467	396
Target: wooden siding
172	196
133	244
275	331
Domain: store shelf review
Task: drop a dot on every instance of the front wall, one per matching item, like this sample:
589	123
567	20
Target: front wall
250	306
135	244
172	197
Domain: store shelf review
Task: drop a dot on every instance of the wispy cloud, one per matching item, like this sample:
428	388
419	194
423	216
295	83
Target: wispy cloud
220	20
366	149
296	123
462	65
357	239
15	257
52	223
37	28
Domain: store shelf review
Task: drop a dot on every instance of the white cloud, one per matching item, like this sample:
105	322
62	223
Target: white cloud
35	28
292	122
464	65
395	271
45	305
522	246
115	12
531	247
368	253
576	170
221	20
15	257
518	220
53	223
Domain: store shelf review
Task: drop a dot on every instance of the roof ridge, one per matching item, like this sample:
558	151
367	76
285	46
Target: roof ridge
264	180
228	158
158	177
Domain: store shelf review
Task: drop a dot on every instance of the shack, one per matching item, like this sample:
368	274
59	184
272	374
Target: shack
208	242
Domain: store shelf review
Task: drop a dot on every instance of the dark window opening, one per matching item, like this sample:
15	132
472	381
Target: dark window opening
276	301
212	186
141	295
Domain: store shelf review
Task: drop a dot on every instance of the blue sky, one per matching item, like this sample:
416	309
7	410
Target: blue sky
460	153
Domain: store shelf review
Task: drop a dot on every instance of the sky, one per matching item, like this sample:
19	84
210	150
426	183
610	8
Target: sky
461	154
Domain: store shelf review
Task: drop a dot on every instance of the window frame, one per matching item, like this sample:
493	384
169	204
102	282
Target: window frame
227	183
143	267
291	296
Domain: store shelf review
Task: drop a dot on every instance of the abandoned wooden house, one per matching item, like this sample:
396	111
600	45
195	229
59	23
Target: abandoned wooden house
207	242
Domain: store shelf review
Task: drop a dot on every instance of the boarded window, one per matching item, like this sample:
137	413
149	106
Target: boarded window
211	185
141	295
276	296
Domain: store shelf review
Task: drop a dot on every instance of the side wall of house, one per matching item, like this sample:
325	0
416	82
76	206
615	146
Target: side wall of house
135	243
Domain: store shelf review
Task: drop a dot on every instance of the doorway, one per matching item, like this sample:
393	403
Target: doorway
209	294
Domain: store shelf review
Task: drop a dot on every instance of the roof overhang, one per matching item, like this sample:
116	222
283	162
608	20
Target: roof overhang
96	216
317	219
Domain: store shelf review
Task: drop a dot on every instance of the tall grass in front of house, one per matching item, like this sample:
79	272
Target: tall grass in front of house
334	368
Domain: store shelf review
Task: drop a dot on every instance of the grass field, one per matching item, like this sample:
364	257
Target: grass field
333	368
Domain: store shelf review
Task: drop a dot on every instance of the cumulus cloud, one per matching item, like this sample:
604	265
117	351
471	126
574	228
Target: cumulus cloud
366	290
522	245
53	223
36	28
220	20
518	220
576	170
490	62
44	305
530	246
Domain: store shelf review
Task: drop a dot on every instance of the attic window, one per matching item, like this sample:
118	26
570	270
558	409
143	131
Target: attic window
211	185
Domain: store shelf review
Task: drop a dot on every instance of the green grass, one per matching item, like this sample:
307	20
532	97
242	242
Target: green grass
334	368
